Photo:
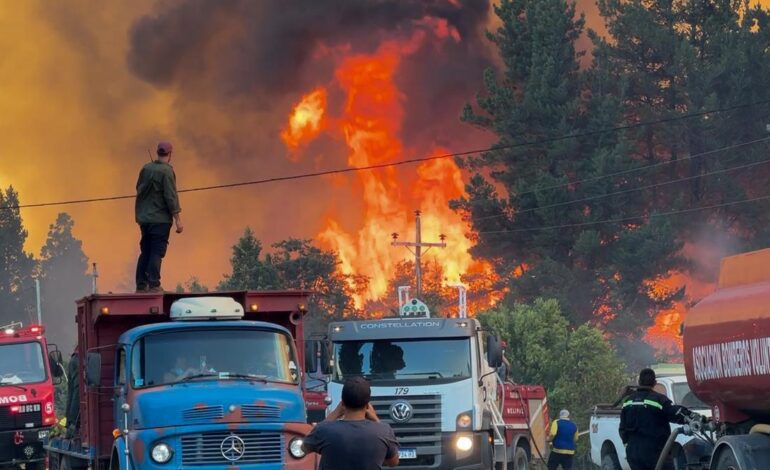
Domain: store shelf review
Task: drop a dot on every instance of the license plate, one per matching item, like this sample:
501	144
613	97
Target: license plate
407	453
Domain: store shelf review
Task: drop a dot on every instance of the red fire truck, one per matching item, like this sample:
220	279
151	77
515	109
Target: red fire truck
27	372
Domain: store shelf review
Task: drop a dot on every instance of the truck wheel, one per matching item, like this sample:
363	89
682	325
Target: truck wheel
520	459
680	461
610	461
727	460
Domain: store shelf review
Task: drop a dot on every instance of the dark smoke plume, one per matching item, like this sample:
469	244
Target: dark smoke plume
246	45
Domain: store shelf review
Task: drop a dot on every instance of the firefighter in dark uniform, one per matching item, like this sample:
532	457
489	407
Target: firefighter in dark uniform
644	423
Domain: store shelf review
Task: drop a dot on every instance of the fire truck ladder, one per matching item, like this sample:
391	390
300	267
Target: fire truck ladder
499	425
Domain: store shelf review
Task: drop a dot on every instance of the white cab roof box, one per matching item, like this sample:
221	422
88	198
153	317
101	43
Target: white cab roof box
206	308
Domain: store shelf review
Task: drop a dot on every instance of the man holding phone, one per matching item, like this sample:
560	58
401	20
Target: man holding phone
352	437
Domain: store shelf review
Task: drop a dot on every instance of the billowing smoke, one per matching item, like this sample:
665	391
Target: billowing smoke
248	57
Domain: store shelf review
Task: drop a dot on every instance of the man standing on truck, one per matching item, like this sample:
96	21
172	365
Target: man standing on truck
563	436
157	204
352	437
644	422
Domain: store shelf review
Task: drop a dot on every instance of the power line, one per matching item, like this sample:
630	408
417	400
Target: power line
640	188
409	161
629	219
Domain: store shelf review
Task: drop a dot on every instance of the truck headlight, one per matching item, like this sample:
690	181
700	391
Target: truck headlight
161	453
464	443
295	448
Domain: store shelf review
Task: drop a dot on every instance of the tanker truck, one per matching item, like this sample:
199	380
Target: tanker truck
727	361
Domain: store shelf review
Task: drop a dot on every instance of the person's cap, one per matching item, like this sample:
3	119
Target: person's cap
563	414
165	148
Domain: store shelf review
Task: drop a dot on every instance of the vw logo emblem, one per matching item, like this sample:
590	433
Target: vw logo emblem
232	448
401	411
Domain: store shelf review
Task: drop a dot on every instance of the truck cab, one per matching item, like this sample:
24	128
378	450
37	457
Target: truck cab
195	382
27	412
435	382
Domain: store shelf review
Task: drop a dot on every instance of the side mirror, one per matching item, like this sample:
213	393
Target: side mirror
326	358
494	352
311	356
93	369
55	362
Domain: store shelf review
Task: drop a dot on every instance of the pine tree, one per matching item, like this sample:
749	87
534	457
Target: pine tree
16	266
547	237
64	279
248	270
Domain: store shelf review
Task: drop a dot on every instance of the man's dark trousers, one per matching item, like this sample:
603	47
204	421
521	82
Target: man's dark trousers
556	459
643	453
153	247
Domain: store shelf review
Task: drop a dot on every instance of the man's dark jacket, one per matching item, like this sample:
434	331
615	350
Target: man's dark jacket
646	415
156	196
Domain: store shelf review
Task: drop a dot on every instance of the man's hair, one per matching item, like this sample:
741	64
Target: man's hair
647	378
356	393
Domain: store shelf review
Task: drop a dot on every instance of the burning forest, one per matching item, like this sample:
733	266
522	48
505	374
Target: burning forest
257	90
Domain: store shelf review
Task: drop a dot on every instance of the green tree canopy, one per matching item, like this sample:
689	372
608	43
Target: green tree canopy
296	264
577	366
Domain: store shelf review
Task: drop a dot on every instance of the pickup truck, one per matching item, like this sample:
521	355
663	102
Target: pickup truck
607	450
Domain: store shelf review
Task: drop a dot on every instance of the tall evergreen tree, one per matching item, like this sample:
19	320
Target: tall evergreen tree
16	266
296	264
64	279
545	233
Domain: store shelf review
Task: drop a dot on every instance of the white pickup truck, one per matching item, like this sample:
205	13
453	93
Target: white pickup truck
607	450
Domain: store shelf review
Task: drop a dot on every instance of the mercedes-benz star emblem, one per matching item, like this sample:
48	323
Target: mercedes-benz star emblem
232	448
401	411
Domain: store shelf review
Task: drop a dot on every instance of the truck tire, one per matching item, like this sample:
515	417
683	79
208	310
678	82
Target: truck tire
678	457
520	459
610	461
727	460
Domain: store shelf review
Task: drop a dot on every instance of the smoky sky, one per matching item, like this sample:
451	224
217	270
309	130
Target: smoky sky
252	53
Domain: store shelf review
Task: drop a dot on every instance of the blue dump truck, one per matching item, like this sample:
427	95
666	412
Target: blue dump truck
183	381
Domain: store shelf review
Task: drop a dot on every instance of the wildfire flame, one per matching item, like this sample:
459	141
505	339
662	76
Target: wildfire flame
306	119
370	123
664	334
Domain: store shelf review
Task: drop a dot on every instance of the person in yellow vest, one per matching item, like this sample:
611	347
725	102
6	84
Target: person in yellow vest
563	438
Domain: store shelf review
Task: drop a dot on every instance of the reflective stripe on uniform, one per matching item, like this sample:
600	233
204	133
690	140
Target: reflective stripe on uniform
642	403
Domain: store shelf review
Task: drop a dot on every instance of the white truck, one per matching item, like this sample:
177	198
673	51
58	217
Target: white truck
608	451
436	382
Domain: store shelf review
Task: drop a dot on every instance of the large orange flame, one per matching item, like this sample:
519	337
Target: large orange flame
370	124
305	121
664	334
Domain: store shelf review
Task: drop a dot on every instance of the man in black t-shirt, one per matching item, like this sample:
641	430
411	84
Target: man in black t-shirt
352	437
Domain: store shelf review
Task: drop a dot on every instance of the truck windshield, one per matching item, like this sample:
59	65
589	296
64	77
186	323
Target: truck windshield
21	363
435	359
684	396
177	356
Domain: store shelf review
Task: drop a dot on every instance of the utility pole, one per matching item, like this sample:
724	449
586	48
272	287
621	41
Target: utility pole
418	245
37	298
